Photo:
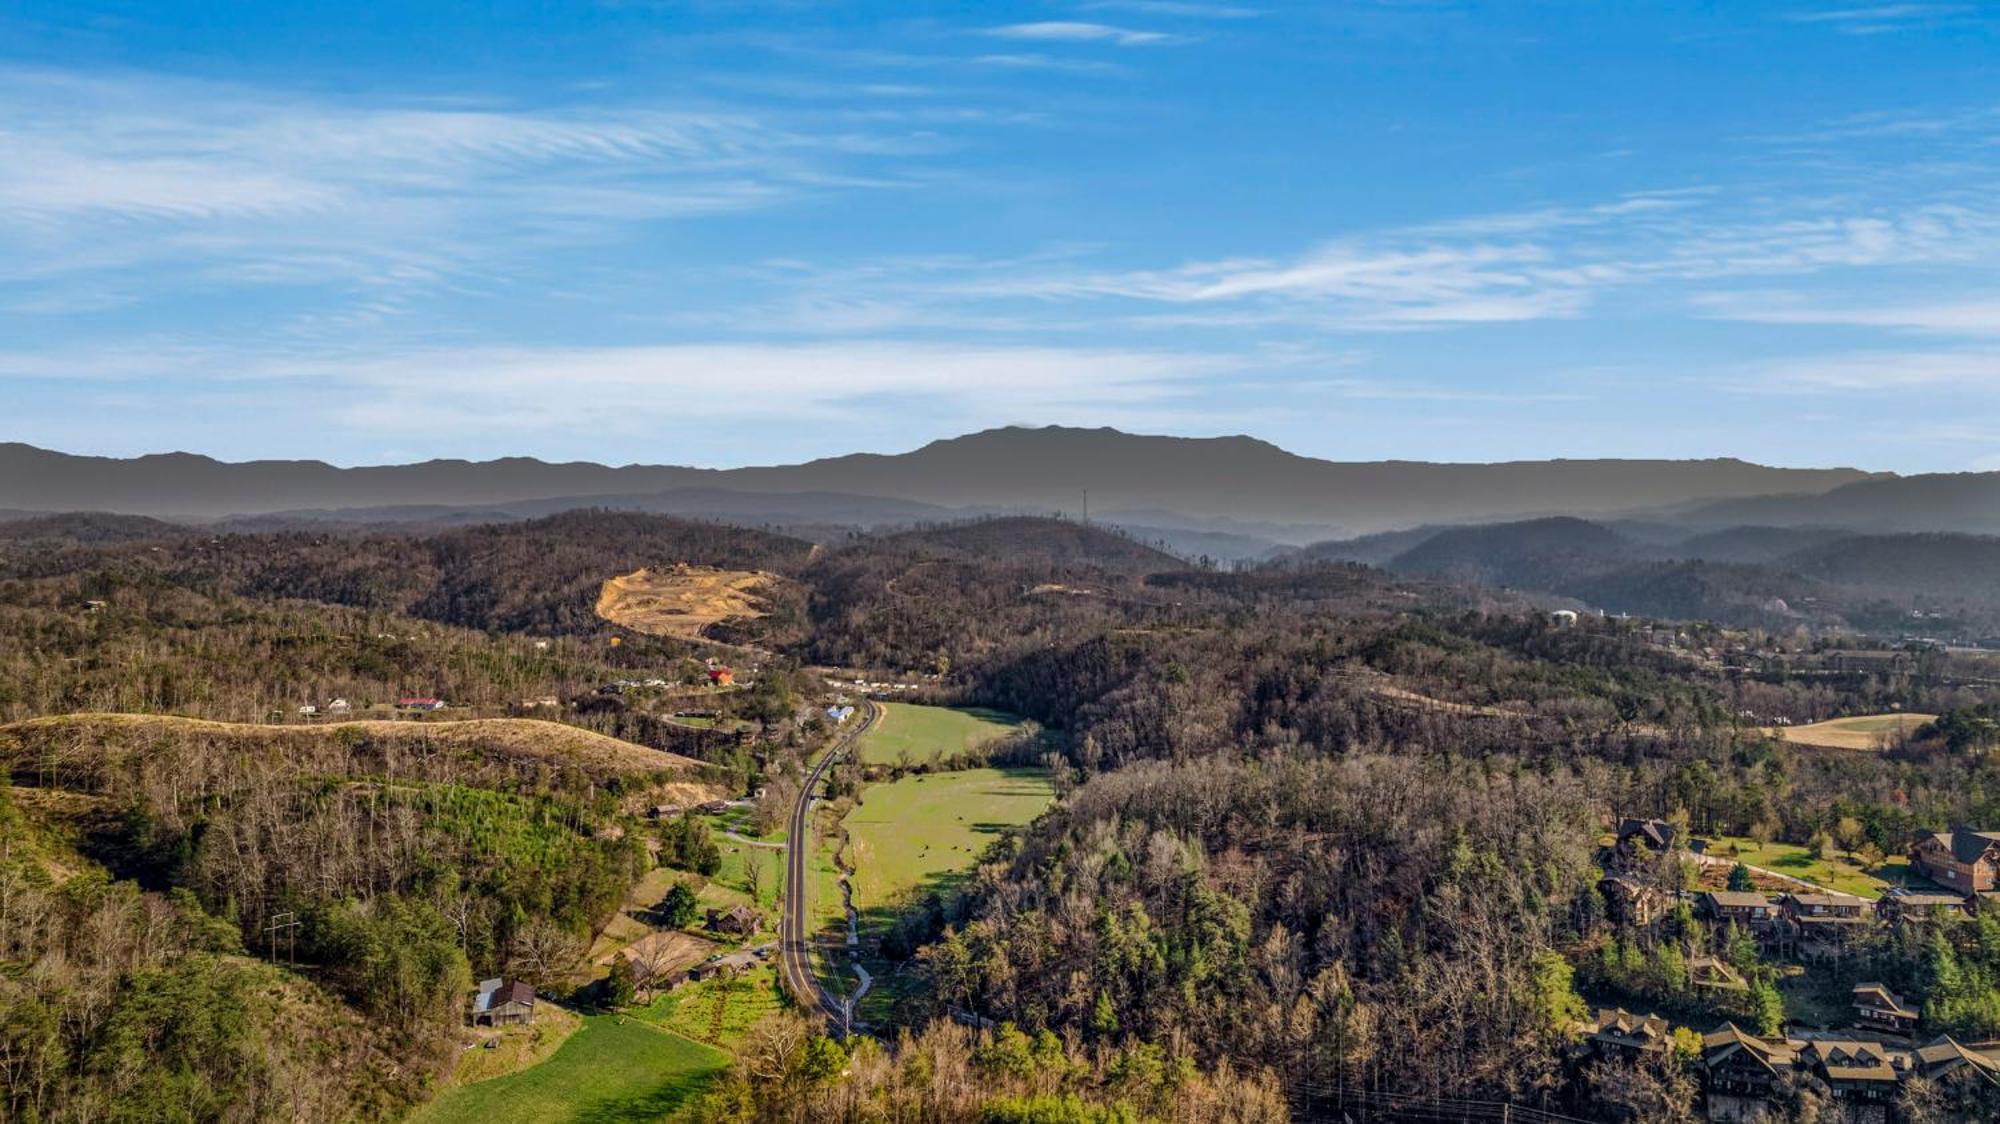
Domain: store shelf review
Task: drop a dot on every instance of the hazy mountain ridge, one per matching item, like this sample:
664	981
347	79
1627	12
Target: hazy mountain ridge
1764	576
1202	481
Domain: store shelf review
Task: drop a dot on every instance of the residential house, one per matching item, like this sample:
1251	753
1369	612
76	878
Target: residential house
1913	907
1753	911
1745	1073
1741	1071
1878	1008
1711	974
1639	841
1823	923
739	920
1965	860
339	707
1621	1034
416	703
1859	1073
1886	661
1628	900
1945	1059
500	1002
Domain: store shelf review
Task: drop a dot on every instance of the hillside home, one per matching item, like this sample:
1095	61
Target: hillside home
420	704
1754	912
1621	1034
1913	907
1708	973
1878	1008
1859	1073
1742	1070
1632	902
1944	1059
1744	1073
1965	860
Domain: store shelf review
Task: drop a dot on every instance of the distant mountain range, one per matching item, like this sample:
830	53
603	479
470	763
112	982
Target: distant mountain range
1246	490
1921	584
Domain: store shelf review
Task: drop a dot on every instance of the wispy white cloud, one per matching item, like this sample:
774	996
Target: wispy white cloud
1963	316
376	198
1880	19
1880	371
626	392
1077	31
1189	9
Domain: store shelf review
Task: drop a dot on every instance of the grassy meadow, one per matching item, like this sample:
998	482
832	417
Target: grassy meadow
614	1068
910	734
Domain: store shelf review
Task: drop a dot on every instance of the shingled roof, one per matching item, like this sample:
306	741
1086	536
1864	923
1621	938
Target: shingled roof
1965	844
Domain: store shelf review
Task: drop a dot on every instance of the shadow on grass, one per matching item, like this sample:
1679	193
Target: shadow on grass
647	1106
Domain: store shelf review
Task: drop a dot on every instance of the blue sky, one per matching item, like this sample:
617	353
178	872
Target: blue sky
720	233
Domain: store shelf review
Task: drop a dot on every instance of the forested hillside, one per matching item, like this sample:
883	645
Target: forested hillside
1306	813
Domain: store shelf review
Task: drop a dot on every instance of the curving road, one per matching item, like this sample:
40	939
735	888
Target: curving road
794	924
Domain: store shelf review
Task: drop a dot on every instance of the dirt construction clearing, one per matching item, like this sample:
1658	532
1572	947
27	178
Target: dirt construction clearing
682	601
1870	731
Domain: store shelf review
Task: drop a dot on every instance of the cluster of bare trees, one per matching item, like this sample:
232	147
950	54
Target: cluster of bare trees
946	1073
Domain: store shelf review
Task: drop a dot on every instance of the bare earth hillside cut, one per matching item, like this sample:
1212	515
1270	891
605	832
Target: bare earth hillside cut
1869	731
683	601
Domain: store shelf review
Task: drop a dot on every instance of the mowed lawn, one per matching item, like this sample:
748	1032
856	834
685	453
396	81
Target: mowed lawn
612	1069
1868	731
926	831
1834	870
906	733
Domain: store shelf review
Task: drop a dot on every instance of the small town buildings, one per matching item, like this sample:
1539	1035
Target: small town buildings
1708	973
1884	661
739	920
1913	907
1965	860
1632	902
1753	911
1621	1034
1744	1074
501	1002
1878	1008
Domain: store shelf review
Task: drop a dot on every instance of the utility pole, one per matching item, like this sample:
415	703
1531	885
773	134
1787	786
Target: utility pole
1086	507
287	921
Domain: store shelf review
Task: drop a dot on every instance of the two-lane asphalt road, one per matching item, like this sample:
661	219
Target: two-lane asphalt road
794	924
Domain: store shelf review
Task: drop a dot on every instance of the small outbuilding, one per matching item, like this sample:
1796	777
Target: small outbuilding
740	920
501	1002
